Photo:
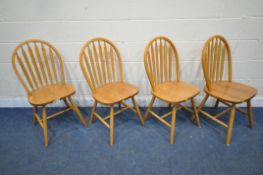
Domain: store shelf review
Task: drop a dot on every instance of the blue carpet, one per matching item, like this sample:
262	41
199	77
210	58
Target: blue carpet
75	150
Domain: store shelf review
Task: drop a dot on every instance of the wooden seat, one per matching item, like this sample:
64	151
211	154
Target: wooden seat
217	68
161	63
50	94
39	68
231	92
175	92
115	92
101	65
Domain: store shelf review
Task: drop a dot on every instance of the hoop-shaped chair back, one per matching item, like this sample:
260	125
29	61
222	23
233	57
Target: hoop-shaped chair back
100	63
216	56
37	64
161	61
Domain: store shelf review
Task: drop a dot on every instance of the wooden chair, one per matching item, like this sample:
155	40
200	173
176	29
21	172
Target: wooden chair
38	66
217	68
162	67
101	65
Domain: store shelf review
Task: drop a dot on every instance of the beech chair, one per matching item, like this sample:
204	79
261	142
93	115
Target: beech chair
100	62
161	63
217	68
38	66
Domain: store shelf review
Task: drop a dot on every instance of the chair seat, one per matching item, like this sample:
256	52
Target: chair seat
50	93
115	92
175	92
231	91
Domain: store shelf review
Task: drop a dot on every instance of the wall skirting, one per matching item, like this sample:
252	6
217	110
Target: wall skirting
88	101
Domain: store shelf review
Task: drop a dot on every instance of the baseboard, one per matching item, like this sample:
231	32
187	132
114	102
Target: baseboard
143	101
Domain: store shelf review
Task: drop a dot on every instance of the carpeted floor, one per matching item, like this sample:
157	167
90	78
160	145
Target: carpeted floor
75	150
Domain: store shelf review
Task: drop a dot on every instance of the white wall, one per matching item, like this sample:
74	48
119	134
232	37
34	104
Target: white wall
130	25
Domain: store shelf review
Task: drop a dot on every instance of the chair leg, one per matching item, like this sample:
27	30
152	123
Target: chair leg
172	130
216	104
138	110
35	112
230	125
250	114
202	103
149	108
119	105
76	109
111	125
66	102
92	112
196	116
45	127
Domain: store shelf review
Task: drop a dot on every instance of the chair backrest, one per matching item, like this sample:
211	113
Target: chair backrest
100	63
37	64
216	56
161	61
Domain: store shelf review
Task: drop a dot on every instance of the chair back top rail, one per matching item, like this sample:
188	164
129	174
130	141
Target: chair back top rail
100	62
161	61
37	64
216	56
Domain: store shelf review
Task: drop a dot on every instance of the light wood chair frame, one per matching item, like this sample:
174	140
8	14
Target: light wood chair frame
217	75
98	78
38	76
161	77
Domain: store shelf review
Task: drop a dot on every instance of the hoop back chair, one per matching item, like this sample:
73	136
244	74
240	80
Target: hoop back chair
217	69
100	62
39	68
161	63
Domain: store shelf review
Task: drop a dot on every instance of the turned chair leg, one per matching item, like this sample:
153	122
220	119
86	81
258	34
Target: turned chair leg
230	125
250	114
138	110
111	125
76	109
173	120
149	108
92	112
35	112
196	115
45	126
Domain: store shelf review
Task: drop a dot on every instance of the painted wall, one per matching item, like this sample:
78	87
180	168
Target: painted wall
130	25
